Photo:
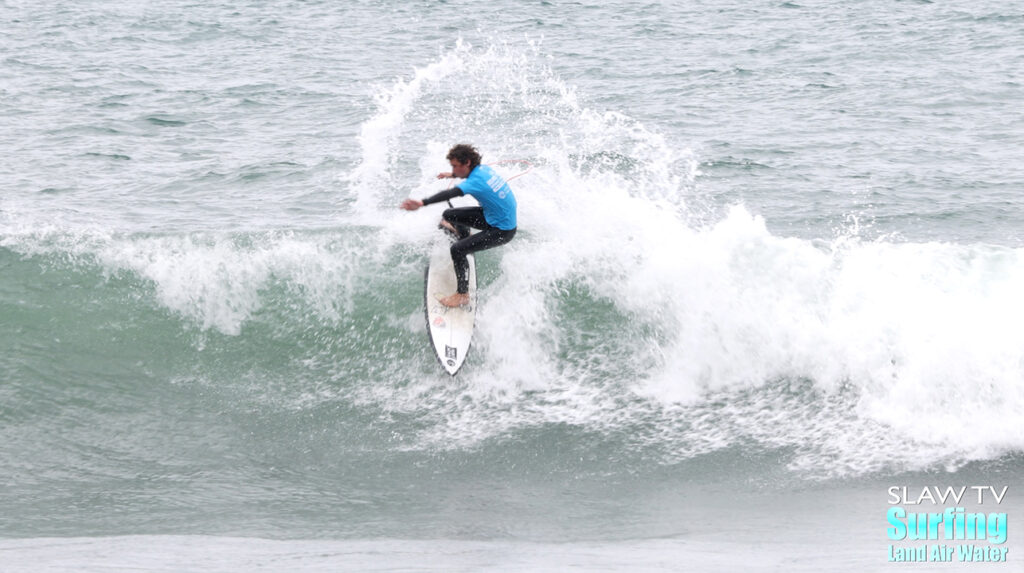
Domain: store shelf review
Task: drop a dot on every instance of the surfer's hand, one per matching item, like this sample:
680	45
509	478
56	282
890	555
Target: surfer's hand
411	204
444	175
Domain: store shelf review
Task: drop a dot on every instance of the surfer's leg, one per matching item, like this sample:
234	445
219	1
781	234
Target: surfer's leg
486	239
461	268
462	218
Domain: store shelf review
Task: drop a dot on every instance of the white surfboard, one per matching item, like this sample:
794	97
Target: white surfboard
450	329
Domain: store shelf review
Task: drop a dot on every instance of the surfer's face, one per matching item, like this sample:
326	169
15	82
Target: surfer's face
460	170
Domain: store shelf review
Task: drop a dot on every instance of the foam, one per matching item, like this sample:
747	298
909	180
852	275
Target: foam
884	352
215	280
924	334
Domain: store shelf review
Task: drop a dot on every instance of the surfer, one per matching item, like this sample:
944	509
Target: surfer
495	217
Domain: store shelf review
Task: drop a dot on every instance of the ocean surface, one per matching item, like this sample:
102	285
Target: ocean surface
769	264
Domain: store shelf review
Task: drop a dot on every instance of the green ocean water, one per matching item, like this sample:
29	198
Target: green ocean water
768	266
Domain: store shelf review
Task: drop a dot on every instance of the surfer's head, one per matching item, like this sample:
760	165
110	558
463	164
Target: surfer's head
463	156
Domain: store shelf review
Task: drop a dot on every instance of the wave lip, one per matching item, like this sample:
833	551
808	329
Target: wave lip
630	301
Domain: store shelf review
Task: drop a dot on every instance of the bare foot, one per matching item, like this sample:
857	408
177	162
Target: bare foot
457	299
445	224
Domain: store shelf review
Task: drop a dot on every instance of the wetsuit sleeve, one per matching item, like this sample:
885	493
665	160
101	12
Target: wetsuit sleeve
443	196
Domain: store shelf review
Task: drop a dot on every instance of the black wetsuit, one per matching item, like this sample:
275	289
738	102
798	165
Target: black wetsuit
463	218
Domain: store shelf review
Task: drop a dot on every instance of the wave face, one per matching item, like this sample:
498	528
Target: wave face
213	344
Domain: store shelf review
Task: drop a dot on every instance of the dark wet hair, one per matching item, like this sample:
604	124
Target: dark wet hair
464	153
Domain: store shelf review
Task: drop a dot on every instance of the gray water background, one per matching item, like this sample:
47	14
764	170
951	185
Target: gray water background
211	324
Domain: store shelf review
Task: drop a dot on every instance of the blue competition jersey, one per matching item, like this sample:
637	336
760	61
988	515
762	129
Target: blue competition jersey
494	195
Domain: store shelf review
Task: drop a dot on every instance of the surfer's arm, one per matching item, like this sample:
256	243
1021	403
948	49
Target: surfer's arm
443	196
413	204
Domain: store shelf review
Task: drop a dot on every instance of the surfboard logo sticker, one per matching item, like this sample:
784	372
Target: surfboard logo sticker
439	322
451	353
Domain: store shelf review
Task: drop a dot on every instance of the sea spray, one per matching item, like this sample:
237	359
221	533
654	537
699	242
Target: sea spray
623	310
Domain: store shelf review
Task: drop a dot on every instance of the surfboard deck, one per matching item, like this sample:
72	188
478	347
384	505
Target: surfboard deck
450	329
